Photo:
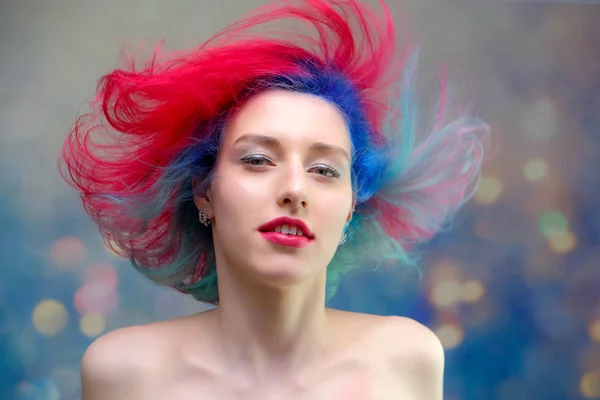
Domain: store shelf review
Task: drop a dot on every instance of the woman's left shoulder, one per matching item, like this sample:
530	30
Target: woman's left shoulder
400	337
404	342
408	356
410	338
413	354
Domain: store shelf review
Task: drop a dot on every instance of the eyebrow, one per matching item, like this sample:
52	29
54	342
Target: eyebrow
270	141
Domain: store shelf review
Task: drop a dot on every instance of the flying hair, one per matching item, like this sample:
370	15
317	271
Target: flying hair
152	137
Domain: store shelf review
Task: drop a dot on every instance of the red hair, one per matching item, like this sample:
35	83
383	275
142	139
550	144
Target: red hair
153	130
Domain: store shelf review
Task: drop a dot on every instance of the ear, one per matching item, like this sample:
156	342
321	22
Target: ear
203	201
349	218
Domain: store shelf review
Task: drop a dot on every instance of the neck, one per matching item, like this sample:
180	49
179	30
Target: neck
266	331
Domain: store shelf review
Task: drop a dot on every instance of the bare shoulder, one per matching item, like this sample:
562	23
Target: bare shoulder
415	356
126	362
399	335
412	337
403	337
115	364
122	347
410	353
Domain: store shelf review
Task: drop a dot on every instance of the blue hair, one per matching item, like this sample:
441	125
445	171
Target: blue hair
394	169
408	179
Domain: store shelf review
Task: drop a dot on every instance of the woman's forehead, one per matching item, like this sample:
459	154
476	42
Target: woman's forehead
289	116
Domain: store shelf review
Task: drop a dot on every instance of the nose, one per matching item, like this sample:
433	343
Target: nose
293	186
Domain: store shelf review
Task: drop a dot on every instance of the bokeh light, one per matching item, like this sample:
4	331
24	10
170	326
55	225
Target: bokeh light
92	324
50	317
445	294
552	222
594	330
471	291
562	242
535	169
450	335
511	288
590	385
102	274
95	297
490	189
68	253
444	270
98	294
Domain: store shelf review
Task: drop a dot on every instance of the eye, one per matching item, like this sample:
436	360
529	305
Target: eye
256	160
325	171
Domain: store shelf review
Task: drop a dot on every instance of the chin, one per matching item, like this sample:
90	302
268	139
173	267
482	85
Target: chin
285	273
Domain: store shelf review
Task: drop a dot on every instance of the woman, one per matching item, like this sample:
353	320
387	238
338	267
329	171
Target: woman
252	173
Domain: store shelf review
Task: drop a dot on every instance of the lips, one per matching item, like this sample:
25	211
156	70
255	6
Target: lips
288	226
286	240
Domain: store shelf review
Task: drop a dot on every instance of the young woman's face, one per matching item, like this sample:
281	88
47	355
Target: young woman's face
284	154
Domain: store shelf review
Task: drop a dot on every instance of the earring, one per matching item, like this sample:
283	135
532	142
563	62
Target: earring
203	217
343	239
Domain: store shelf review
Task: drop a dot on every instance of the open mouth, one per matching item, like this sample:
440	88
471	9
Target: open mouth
288	232
286	239
288	226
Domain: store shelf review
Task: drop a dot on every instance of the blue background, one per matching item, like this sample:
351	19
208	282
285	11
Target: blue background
512	291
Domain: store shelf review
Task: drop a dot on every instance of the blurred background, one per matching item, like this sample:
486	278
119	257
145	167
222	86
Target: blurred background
512	291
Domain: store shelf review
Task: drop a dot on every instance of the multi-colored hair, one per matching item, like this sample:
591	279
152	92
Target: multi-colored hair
154	133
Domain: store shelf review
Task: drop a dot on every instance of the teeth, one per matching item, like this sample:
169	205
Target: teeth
288	230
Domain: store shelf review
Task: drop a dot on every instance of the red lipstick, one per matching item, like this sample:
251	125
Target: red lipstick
283	239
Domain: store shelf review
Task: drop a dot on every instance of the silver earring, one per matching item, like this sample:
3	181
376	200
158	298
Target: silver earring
343	239
203	217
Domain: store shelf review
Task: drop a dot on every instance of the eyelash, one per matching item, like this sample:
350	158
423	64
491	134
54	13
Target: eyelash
249	159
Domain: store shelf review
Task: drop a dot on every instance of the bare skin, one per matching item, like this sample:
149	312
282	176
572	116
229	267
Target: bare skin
271	337
368	358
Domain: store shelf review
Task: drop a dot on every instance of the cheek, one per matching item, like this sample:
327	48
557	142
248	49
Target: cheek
334	210
236	199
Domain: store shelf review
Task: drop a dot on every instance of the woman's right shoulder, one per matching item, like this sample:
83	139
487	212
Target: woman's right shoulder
120	346
120	363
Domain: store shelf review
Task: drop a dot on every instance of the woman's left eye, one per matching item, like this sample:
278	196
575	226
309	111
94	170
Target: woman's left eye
326	171
256	160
